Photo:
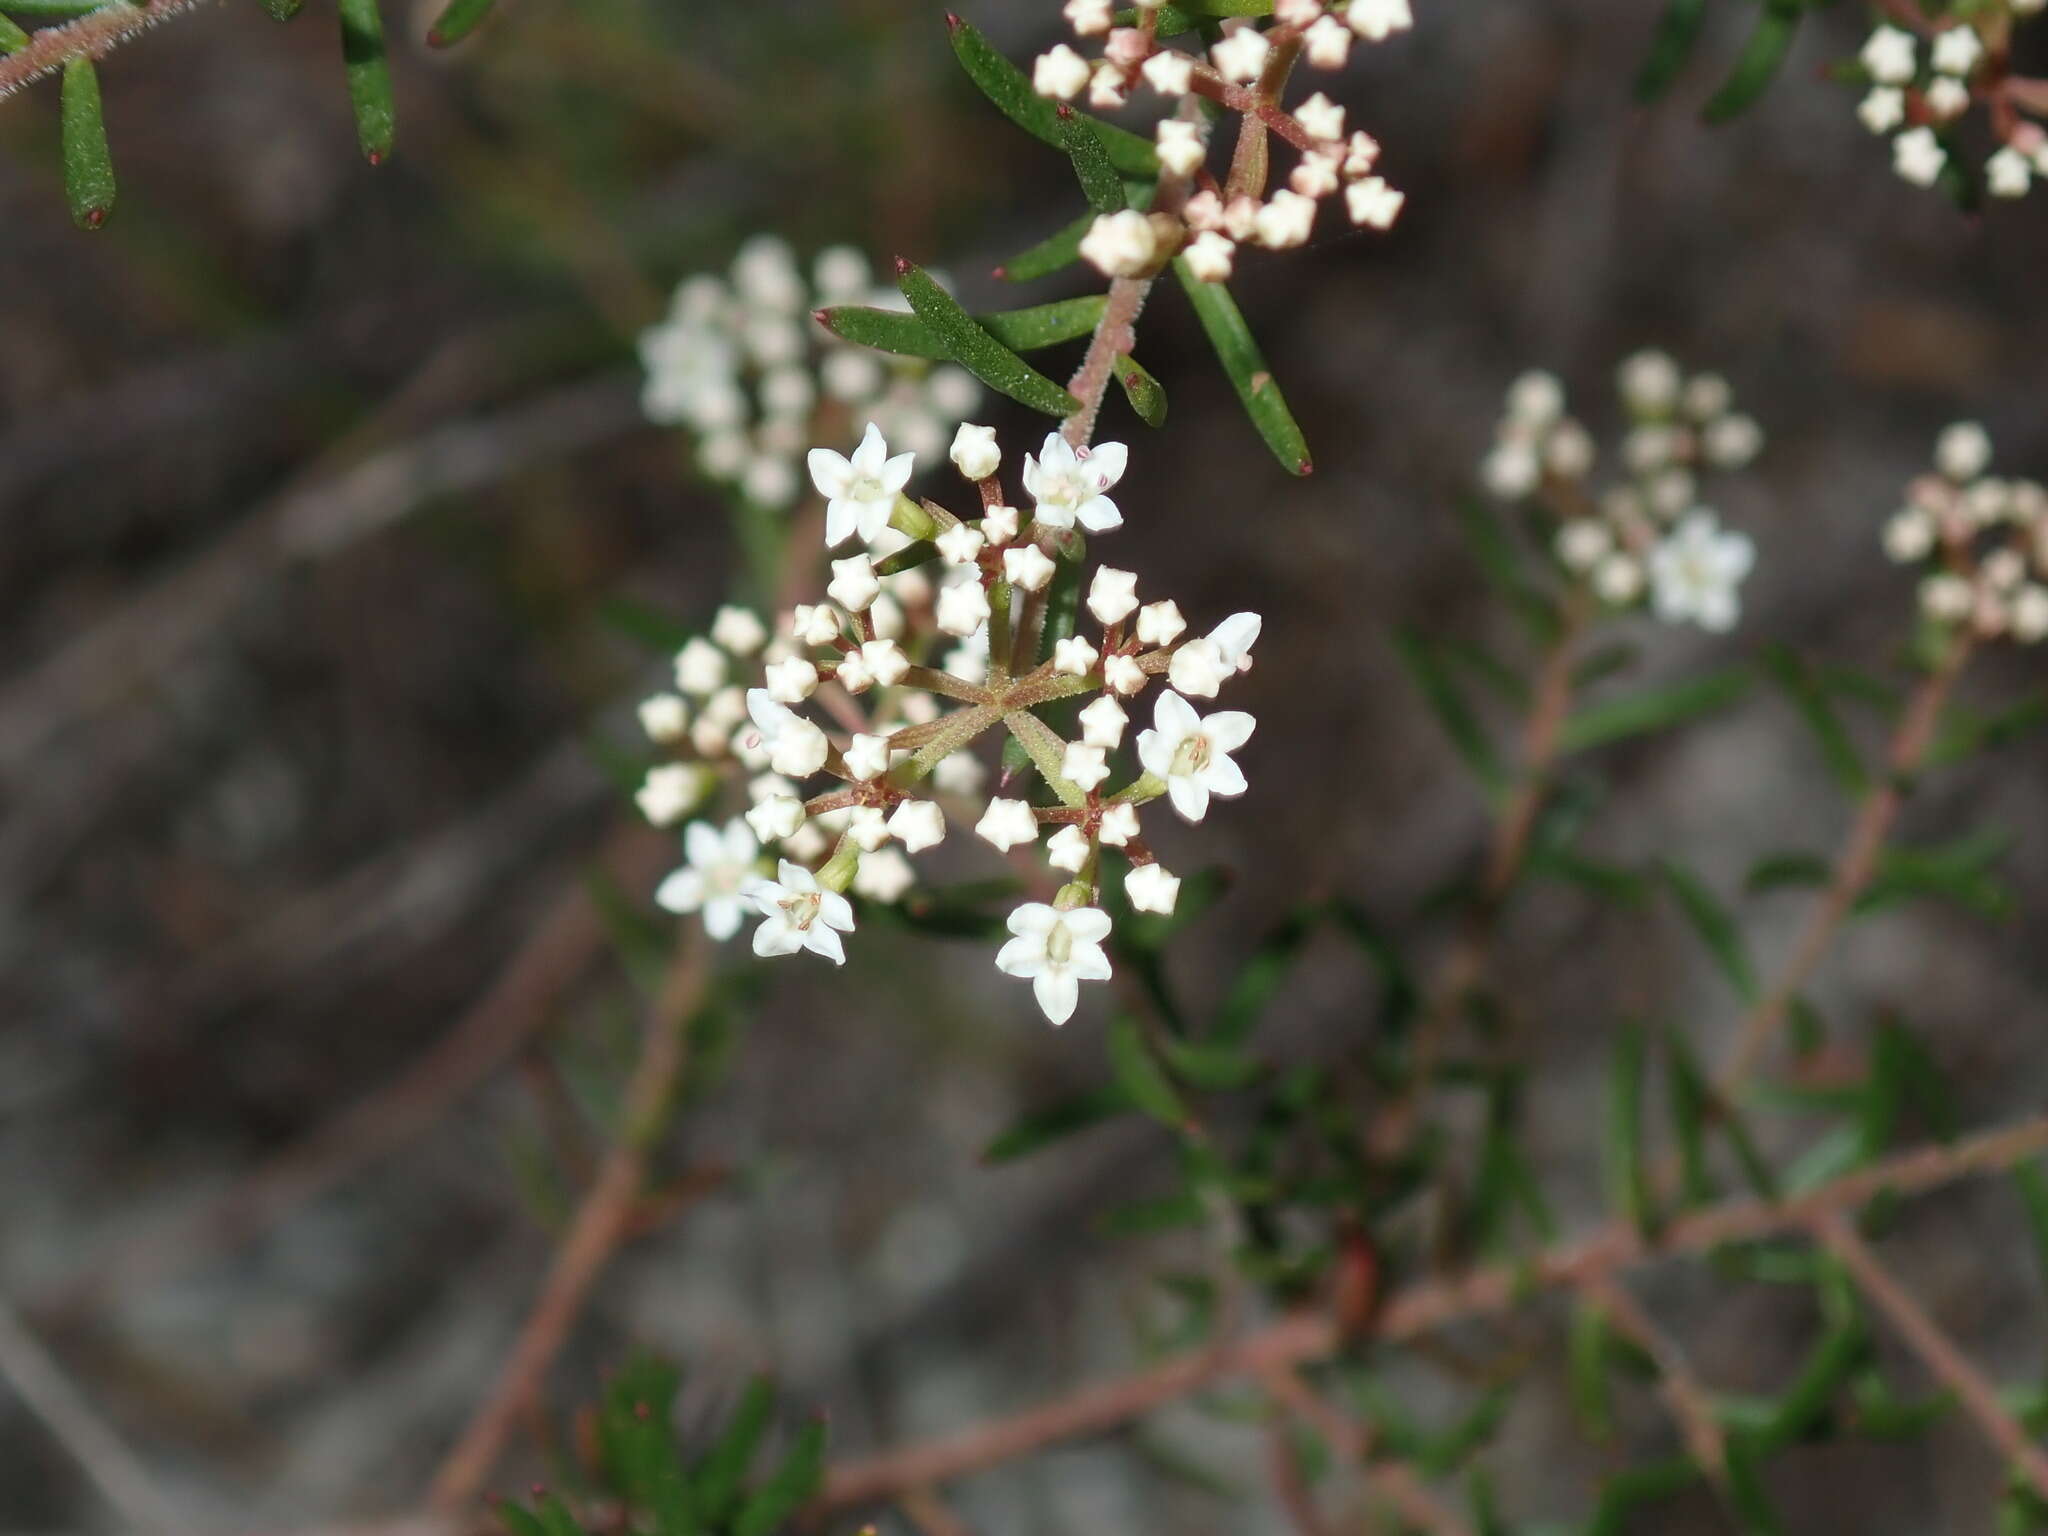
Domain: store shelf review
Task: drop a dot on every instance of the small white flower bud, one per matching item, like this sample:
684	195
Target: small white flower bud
918	824
1123	674
1085	765
999	524
1947	598
1073	656
1649	383
1119	825
1287	220
1169	73
1373	204
1618	579
1322	117
1909	535
960	544
1006	823
975	452
1122	244
1882	109
886	660
1327	43
1240	56
1946	99
1088	18
776	817
1963	451
1570	451
963	608
1957	51
1181	149
1890	55
791	680
853	674
664	717
1068	849
1102	723
1151	889
854	585
1917	156
1160	623
1112	594
669	790
2030	615
1060	73
1027	566
814	623
1732	442
700	667
1210	257
1583	543
867	827
867	756
739	630
884	876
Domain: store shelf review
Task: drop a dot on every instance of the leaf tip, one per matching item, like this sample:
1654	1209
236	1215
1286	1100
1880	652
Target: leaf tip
953	22
999	272
904	266
92	218
1304	468
374	156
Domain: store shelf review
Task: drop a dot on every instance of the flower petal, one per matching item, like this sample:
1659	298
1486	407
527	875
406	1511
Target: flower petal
1223	777
1175	717
1023	957
1228	729
1034	919
823	941
1057	993
1098	514
681	892
776	937
830	471
835	911
722	917
1088	924
1190	796
1155	752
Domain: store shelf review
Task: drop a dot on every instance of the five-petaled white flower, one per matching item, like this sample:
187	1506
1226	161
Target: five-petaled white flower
1201	666
1056	951
1889	56
1696	573
797	913
1191	753
794	745
860	492
717	877
1070	486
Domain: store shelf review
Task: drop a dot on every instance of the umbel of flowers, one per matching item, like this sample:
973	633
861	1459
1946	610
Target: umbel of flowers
1245	71
1979	541
1927	67
1645	536
738	363
848	729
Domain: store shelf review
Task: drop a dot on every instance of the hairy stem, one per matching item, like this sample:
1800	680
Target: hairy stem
89	37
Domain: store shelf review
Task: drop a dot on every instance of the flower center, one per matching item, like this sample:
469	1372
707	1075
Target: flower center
800	911
1191	756
1059	945
864	488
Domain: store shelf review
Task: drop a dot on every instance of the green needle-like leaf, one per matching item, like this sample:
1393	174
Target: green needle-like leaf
1678	29
1652	709
1246	368
1440	691
1021	330
1628	1180
1056	1122
1054	253
1100	183
12	38
1010	89
1715	927
369	78
976	350
457	21
717	1479
789	1489
1146	394
1140	1076
88	167
1769	41
1837	748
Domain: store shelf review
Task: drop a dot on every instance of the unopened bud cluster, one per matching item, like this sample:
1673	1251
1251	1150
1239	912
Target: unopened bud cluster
1921	88
1645	536
846	727
738	362
1980	541
1243	71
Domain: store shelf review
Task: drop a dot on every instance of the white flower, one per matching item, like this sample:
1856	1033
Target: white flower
1707	396
1570	451
1918	156
799	914
2007	173
886	660
1890	56
1583	543
960	544
1286	220
859	492
795	746
1201	667
1181	149
1963	452
1651	447
1107	89
963	608
884	877
1007	823
1160	623
1070	486
1112	594
1618	579
1883	109
1169	73
775	817
791	680
1696	573
1121	244
1084	765
720	868
854	584
1322	117
1123	674
1947	598
1536	399
1328	43
1957	50
1373	203
2030	615
1946	99
1103	722
1512	470
1152	889
1210	256
867	828
999	524
867	756
739	630
664	717
1088	18
1376	20
668	792
1068	849
1192	753
1027	566
1059	73
1649	383
1732	441
1909	535
1240	56
700	667
1056	951
852	673
1073	656
975	453
1119	824
918	824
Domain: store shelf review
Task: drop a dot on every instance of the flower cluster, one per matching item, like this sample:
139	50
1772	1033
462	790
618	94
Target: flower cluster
1646	534
1920	100
739	364
1980	541
937	630
1244	71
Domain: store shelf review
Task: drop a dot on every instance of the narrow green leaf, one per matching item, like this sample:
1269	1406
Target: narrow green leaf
1041	1128
1610	882
1166	1213
1588	1361
1140	1076
1246	368
1687	1095
456	21
1145	393
1628	1181
1021	330
369	78
1967	733
88	166
1604	661
1054	253
1807	695
1440	691
282	10
716	1480
1186	15
1750	1500
1500	561
1783	871
976	350
1678	29
1010	89
792	1486
1715	927
1100	183
1769	41
1444	1453
520	1521
2033	1188
1214	1068
1653	709
1959	871
12	38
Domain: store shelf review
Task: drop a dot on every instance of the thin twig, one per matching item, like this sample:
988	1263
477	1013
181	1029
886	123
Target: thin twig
1691	1408
1427	1305
98	1449
89	37
1395	1481
929	1513
1936	1350
599	1226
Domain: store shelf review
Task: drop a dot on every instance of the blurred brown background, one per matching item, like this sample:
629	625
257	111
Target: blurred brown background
313	477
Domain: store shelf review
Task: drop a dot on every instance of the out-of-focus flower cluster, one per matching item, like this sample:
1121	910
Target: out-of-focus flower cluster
738	362
1645	536
1244	72
1980	541
843	732
1923	84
